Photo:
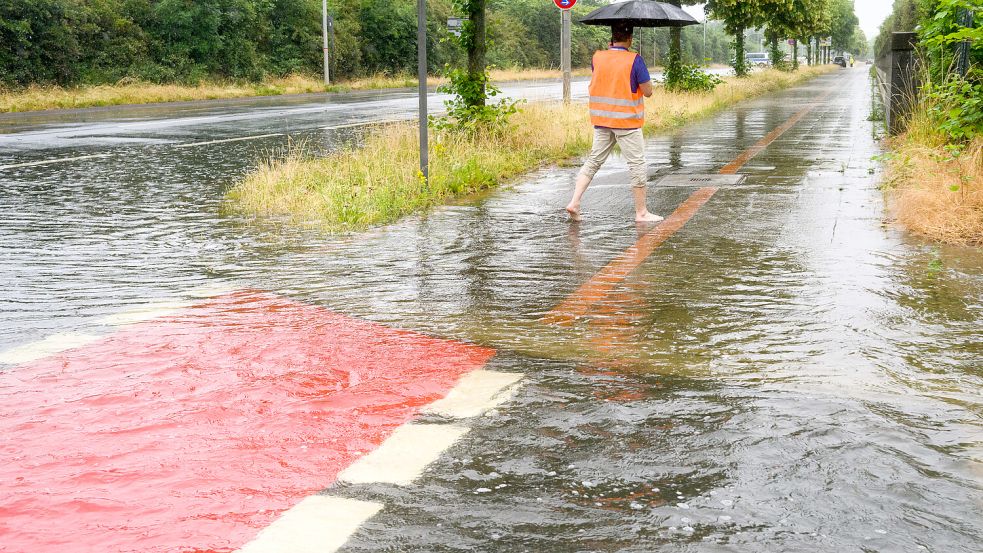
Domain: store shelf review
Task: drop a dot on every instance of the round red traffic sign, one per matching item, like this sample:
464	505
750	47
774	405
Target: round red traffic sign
565	4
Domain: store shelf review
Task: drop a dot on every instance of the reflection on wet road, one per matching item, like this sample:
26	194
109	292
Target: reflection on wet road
121	130
784	373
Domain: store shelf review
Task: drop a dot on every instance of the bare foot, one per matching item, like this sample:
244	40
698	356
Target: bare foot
647	218
574	212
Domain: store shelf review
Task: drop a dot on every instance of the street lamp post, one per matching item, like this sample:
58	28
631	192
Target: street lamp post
704	39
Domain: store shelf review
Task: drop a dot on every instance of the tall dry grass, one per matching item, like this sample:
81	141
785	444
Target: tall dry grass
35	98
378	182
933	192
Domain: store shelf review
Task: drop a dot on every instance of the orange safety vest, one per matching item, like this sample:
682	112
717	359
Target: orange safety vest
612	103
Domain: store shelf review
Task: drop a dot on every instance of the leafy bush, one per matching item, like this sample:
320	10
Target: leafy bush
942	30
955	102
956	106
468	111
691	79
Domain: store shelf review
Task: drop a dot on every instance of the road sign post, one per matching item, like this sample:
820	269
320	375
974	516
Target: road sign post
565	6
565	56
324	33
421	60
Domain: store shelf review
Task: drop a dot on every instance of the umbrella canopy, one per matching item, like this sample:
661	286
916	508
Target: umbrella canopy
640	13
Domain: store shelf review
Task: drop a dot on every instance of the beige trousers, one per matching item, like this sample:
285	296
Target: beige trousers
632	149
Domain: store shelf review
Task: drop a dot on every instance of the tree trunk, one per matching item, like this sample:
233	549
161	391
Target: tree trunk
477	49
675	50
809	52
795	55
776	56
676	43
740	62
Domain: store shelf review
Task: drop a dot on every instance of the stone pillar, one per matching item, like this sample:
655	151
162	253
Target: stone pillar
903	81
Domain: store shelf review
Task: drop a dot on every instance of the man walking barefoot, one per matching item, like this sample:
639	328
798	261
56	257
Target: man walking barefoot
617	111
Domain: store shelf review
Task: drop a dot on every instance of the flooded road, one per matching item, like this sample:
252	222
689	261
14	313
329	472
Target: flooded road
784	373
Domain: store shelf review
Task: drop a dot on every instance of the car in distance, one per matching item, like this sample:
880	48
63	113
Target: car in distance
758	59
840	60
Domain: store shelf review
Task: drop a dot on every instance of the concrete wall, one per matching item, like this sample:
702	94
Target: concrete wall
897	74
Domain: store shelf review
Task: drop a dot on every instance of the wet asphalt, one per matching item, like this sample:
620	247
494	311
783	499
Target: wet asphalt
789	372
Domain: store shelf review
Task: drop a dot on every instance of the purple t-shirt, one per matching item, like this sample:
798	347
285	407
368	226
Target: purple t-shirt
639	71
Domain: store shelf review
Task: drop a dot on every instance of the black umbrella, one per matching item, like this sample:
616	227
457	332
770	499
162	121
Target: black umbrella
640	13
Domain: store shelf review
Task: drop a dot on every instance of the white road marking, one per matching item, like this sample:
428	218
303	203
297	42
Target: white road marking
318	524
160	309
364	124
211	290
477	392
241	138
51	345
405	455
146	312
50	161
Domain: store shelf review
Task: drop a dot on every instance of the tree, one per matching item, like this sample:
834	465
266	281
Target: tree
474	39
794	19
674	61
738	16
904	18
859	45
843	23
36	42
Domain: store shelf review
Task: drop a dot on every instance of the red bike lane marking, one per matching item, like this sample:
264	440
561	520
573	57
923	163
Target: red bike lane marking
193	432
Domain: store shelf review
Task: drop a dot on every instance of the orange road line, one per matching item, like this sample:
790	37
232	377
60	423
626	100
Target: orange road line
601	284
734	166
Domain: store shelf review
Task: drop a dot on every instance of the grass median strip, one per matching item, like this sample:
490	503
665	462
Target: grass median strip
378	182
35	98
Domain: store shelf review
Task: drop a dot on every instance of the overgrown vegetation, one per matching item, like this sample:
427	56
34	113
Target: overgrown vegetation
936	176
935	189
464	113
377	182
956	107
690	78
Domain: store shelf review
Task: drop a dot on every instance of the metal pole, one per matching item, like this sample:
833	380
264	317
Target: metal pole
704	40
421	58
565	55
324	33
